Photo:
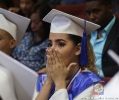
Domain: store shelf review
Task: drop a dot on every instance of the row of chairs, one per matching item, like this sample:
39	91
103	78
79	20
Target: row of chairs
77	10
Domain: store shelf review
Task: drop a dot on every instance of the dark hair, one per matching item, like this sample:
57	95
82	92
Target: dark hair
103	2
3	4
43	10
75	39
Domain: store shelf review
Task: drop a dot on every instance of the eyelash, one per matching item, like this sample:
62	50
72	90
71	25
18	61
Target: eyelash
59	44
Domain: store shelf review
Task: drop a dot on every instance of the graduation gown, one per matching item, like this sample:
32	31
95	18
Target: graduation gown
7	91
81	87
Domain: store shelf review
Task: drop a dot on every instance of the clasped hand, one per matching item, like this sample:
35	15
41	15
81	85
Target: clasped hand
57	72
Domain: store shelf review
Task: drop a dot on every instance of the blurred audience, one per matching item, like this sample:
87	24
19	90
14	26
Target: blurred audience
115	4
106	37
24	8
58	2
31	51
6	4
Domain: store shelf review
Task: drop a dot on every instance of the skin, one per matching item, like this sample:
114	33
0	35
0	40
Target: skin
60	66
37	26
99	13
7	43
26	5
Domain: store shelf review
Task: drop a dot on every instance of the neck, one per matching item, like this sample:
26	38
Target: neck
39	36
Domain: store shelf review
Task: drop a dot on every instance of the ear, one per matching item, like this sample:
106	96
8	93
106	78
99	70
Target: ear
78	51
12	43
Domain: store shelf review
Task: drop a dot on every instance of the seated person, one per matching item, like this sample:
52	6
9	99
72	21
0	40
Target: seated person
24	8
70	67
104	38
8	31
31	52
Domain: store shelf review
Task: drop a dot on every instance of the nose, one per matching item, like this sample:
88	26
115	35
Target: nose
53	47
32	25
92	17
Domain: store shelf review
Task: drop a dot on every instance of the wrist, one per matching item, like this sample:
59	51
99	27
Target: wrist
60	85
49	82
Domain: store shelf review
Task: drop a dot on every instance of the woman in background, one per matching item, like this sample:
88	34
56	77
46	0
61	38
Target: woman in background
24	8
31	52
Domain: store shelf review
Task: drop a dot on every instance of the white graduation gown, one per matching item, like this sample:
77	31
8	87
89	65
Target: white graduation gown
6	85
62	94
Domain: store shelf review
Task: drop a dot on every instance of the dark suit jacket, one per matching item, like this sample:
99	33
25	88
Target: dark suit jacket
109	66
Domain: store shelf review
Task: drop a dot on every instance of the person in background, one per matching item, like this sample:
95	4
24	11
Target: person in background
9	29
70	67
24	8
31	52
104	38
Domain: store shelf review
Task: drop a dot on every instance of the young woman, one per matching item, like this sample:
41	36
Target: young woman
31	52
70	67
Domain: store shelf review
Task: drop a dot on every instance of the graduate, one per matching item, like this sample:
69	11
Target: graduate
70	67
10	27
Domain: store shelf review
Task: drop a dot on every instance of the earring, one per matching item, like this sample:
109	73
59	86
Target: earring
77	53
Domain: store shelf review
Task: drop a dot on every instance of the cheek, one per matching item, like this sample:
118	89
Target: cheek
3	45
68	56
28	7
39	26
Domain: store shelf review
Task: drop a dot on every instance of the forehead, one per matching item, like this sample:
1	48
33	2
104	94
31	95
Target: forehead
35	15
93	4
3	33
56	36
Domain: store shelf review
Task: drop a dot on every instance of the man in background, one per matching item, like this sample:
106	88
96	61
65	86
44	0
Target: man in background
106	37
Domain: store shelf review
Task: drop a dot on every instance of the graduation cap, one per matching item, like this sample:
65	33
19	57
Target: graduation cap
67	24
14	24
24	78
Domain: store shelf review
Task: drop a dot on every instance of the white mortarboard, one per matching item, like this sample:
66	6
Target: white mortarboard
65	23
14	24
24	78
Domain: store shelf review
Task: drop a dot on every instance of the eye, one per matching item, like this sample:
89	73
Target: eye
61	44
1	38
49	44
88	13
96	11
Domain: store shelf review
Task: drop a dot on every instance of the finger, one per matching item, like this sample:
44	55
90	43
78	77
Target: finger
54	57
49	61
71	66
42	71
58	55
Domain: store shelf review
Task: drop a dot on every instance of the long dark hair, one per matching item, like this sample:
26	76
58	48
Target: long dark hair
43	10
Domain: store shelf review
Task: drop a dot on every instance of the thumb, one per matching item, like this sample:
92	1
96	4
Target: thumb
71	65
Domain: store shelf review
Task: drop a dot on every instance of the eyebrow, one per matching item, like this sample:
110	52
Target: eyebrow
57	40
